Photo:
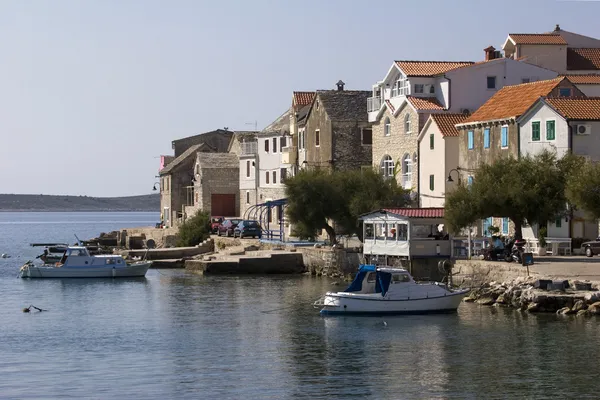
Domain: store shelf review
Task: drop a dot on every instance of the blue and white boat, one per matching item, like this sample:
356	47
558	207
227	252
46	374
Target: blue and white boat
384	290
76	262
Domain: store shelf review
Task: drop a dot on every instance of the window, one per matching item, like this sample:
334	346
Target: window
470	144
470	181
248	169
432	89
535	131
317	104
274	177
267	177
367	136
558	222
486	138
282	175
431	182
564	92
301	140
407	171
407	124
267	146
401	86
550	131
387	127
274	145
387	166
247	197
525	80
491	82
486	225
317	138
504	141
282	142
505	226
431	141
419	88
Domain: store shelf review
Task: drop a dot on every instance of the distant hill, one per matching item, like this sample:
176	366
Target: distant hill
35	202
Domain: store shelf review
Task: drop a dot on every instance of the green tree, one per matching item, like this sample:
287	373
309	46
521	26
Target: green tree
583	185
318	197
527	190
194	230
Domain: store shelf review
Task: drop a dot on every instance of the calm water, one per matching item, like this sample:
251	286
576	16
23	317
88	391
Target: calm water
175	335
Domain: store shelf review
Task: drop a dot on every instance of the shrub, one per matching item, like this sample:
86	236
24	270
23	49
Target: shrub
194	230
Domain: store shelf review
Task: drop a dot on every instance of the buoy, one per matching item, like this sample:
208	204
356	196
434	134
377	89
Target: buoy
4	255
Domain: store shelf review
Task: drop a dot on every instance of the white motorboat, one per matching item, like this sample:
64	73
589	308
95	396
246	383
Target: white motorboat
76	262
384	290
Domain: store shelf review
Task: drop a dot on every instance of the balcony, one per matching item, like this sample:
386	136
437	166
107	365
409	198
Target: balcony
289	155
373	104
249	148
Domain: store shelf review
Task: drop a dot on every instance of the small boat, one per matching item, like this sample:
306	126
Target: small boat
76	262
385	290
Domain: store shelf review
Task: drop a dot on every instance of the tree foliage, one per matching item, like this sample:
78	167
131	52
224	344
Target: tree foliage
527	190
583	185
317	197
194	230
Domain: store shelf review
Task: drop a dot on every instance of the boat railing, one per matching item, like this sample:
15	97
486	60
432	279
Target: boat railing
320	302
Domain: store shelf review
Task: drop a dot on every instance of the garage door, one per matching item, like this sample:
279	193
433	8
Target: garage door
223	205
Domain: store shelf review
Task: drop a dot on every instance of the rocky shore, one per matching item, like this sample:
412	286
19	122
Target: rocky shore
540	296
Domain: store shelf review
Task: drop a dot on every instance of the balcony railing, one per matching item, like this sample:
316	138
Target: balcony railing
249	147
289	155
373	104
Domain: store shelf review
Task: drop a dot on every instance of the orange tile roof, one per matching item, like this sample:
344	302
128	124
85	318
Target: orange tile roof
446	122
578	108
537	38
303	98
583	59
434	212
429	68
512	101
591	79
391	106
424	103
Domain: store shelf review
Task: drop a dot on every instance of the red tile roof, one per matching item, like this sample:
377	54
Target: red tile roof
583	59
577	108
429	68
446	122
591	79
512	101
303	98
424	103
417	212
537	38
391	106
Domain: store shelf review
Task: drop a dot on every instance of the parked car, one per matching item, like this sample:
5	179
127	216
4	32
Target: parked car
592	247
247	228
226	227
214	223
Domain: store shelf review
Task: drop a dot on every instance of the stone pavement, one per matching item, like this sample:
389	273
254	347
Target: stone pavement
567	267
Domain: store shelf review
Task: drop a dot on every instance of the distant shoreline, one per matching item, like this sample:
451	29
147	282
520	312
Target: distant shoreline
70	211
52	203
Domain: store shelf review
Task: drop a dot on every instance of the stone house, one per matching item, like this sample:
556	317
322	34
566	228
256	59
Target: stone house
561	51
438	155
492	132
563	125
336	131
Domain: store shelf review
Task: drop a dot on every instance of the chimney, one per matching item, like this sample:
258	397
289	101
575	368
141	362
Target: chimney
340	85
490	53
557	29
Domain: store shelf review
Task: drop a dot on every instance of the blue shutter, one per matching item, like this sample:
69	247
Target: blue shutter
486	138
505	226
469	181
505	136
486	224
470	139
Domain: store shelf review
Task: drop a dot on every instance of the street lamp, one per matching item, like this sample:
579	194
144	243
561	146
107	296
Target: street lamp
154	187
449	179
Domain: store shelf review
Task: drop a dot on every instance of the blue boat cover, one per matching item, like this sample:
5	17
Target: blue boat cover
383	282
356	285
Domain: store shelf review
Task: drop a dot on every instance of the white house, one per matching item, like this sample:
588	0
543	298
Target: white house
438	156
563	124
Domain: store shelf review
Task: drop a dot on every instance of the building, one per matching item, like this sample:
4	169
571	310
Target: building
335	132
563	125
561	51
438	155
301	105
588	84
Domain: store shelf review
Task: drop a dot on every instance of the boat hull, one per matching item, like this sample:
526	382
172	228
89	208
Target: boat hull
127	271
348	304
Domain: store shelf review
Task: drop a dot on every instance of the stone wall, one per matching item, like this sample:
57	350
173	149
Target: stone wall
218	181
321	155
166	237
348	150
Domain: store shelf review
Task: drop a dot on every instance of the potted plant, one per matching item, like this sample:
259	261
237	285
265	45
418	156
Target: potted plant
542	232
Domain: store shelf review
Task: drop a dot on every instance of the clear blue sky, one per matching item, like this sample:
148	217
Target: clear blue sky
93	91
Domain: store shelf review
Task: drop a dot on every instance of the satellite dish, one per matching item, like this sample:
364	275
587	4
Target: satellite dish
150	244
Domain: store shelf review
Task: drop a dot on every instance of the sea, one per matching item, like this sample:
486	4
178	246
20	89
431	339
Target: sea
177	335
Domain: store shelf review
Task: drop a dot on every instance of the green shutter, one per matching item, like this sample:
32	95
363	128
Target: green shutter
431	182
550	132
558	222
535	131
431	140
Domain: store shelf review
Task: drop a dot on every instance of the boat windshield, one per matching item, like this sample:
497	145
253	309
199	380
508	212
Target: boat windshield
78	252
382	279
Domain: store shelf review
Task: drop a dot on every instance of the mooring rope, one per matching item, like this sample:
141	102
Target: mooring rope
28	309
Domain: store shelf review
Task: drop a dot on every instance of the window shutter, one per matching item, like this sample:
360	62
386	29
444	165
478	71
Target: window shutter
535	131
550	131
505	136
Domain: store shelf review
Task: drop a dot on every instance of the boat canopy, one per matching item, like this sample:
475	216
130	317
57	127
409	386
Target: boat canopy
382	279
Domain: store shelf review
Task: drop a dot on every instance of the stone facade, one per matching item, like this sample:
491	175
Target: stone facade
215	174
217	141
399	143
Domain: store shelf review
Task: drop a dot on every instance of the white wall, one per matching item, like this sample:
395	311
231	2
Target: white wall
432	162
543	113
269	161
588	145
247	182
468	86
553	57
442	91
590	90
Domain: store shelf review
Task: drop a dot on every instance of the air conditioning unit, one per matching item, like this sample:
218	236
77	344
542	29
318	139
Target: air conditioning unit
584	129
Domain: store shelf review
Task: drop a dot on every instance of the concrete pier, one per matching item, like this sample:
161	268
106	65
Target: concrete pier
281	262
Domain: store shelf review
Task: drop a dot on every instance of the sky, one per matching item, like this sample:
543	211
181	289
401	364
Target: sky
92	92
